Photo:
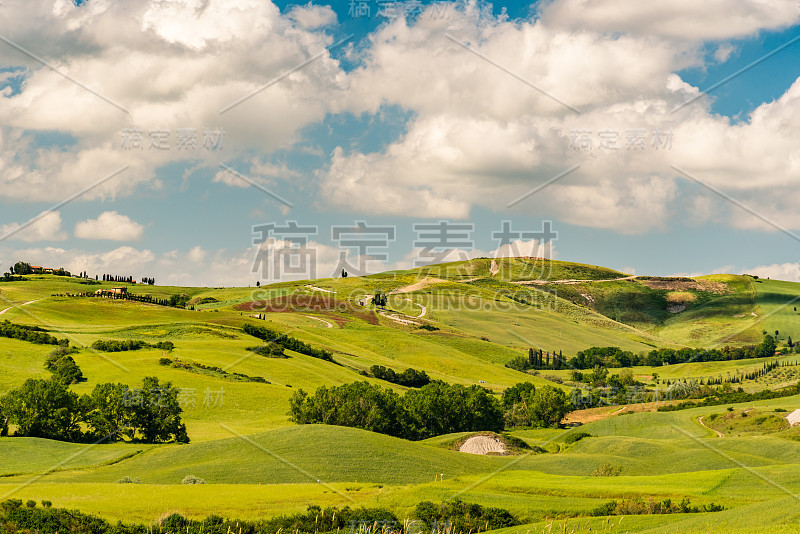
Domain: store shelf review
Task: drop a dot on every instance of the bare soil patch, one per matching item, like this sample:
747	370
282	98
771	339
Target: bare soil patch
682	284
418	285
483	445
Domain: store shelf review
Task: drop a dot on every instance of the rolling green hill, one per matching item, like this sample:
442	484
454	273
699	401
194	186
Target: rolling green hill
460	322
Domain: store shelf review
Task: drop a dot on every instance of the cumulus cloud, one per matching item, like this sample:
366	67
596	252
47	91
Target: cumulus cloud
311	17
44	227
155	66
682	19
777	271
481	137
111	226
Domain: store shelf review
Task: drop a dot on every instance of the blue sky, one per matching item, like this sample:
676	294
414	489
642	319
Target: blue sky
399	125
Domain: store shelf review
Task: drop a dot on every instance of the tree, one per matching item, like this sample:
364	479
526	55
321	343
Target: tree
516	404
767	347
549	405
110	414
360	405
63	366
22	268
157	417
440	408
45	409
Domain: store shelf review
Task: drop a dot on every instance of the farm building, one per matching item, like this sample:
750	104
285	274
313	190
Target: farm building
114	292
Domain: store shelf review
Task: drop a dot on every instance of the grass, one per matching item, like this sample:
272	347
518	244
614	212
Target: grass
257	463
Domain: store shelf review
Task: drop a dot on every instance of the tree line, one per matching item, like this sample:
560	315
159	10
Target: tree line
32	334
46	408
287	342
616	357
130	344
174	301
411	378
539	360
432	410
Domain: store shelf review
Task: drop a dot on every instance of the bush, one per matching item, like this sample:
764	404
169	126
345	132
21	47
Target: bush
464	517
607	470
191	479
165	345
30	504
411	378
47	504
32	334
118	346
287	342
129	480
63	367
270	350
10	504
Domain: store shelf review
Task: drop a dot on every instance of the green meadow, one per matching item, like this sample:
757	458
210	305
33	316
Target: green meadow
458	322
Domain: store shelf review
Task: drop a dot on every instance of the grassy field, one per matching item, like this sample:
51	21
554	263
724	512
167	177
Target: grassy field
257	463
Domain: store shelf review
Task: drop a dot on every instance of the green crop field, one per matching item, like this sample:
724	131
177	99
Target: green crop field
461	324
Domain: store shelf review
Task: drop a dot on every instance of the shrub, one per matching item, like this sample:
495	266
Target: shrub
607	470
287	342
64	369
118	346
47	504
464	517
129	480
191	479
10	504
30	504
270	350
32	334
164	361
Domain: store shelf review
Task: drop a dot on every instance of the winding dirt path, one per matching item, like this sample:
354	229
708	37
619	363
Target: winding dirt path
329	325
424	309
23	304
700	420
397	318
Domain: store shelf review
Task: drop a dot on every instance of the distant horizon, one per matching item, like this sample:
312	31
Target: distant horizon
658	141
138	282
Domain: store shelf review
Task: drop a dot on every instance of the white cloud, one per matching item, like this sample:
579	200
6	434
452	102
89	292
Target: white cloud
310	17
478	136
723	52
45	227
682	19
111	226
481	137
171	65
777	271
196	255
